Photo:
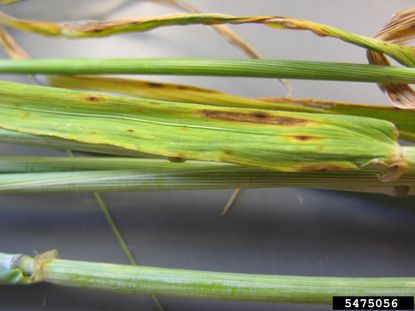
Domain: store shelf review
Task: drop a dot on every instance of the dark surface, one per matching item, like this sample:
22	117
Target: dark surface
281	231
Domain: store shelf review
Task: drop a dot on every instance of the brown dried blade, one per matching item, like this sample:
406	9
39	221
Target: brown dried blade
400	30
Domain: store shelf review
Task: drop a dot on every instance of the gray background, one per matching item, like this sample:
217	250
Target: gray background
274	231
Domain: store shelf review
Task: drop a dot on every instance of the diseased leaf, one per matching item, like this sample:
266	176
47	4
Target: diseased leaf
402	54
285	141
403	120
163	91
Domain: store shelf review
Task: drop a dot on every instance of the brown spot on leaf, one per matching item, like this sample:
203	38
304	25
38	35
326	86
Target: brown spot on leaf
228	152
254	117
155	84
89	27
130	130
260	115
305	138
95	98
299	24
176	159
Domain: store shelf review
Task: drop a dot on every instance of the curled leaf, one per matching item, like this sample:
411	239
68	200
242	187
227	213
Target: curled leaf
402	54
400	30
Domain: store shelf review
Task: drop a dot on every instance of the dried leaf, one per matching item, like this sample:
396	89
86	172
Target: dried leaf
403	54
401	30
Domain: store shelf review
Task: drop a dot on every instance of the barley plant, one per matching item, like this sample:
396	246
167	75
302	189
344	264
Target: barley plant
304	106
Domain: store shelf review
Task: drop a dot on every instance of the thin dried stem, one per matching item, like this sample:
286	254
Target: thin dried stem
11	47
230	202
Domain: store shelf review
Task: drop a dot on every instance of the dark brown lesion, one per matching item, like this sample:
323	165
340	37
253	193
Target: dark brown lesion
155	85
94	30
176	159
305	138
182	88
254	117
193	89
130	130
89	27
94	98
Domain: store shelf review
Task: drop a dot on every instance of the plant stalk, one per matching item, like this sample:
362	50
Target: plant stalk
195	284
260	68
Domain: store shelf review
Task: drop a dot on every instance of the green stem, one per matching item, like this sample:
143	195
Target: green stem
215	67
201	284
